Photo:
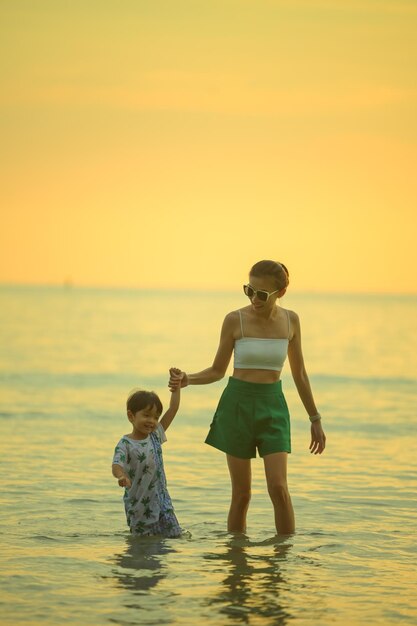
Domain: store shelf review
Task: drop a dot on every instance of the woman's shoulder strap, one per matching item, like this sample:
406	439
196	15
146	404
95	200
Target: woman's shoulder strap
289	324
241	323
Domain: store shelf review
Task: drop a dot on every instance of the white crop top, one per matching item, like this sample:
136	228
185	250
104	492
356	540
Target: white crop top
259	353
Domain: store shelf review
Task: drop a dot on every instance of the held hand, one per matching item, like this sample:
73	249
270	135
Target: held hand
318	438
177	379
124	481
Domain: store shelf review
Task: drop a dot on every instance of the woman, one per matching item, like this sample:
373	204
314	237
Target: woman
252	412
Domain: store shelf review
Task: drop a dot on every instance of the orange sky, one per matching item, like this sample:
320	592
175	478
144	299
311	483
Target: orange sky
177	142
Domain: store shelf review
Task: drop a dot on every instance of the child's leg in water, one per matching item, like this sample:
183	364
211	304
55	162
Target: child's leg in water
167	526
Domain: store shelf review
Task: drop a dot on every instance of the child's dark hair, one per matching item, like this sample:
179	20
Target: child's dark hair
141	399
278	271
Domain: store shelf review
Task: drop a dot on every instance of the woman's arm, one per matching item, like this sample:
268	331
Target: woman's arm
221	361
298	370
299	374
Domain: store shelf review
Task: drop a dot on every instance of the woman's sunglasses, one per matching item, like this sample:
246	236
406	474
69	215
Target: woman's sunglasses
261	295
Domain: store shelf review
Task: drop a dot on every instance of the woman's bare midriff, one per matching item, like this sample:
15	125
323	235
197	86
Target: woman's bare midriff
256	376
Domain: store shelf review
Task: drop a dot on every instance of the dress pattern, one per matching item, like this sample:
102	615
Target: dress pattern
148	506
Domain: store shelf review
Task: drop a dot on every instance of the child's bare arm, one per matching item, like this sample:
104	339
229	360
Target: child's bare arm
174	402
118	472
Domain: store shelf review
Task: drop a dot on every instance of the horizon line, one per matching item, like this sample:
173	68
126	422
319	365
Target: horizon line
69	285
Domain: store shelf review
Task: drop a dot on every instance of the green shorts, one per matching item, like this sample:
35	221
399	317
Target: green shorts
251	416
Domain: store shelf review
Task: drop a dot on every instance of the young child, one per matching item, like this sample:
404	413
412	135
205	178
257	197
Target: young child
138	465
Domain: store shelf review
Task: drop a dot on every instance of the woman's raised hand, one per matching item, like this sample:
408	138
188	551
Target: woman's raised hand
177	378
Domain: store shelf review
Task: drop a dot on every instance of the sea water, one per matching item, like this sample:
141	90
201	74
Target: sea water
70	356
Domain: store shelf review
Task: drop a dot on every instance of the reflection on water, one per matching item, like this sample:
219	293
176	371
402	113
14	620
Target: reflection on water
141	565
254	584
250	578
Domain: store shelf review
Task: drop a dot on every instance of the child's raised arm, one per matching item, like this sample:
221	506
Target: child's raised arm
174	402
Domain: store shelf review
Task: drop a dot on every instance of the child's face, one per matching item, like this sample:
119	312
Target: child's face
144	421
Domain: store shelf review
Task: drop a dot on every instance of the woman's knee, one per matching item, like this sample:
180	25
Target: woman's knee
241	498
278	491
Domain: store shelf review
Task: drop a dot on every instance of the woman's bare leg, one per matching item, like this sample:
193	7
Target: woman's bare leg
276	479
240	475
